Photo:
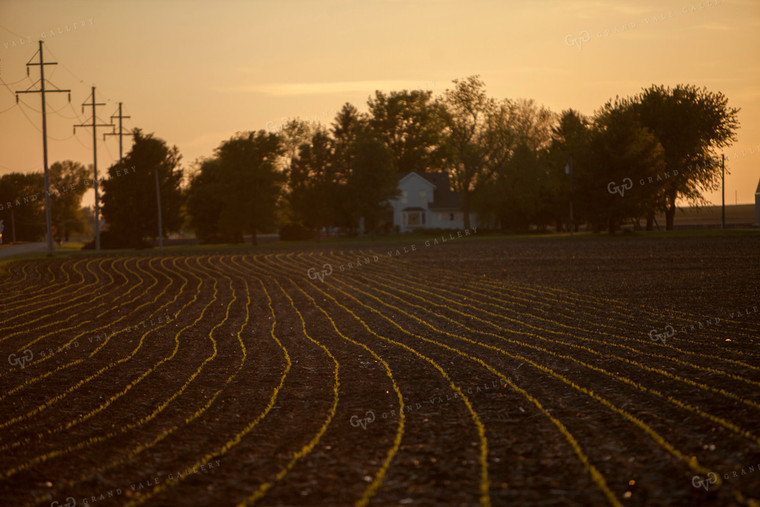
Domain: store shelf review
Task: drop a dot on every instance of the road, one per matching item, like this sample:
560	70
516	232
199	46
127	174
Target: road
8	251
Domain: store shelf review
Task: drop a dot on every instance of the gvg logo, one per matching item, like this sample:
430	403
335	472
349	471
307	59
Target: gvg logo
356	421
313	274
70	502
571	40
697	481
620	189
668	333
27	356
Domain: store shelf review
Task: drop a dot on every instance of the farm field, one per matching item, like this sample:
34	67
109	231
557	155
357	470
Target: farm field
711	215
607	371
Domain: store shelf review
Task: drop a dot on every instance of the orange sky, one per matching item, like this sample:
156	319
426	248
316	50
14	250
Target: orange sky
194	73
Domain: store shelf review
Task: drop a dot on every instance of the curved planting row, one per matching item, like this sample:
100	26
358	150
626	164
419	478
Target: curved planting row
269	378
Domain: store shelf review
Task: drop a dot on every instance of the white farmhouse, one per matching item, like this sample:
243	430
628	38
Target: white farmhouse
426	201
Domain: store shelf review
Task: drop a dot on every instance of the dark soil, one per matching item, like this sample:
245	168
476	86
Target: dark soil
566	371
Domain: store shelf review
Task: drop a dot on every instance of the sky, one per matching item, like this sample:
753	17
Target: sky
195	73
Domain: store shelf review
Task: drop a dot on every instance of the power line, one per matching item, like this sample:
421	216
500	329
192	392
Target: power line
13	83
67	69
108	150
81	143
75	112
79	78
61	138
31	122
27	105
6	110
66	117
39	111
9	86
10	31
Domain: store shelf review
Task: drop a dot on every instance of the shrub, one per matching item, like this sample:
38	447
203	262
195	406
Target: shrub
295	232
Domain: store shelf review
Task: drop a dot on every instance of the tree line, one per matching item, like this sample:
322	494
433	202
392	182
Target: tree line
22	201
516	165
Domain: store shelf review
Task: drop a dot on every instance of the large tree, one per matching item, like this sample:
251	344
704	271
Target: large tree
344	175
513	188
621	152
477	141
568	149
531	124
513	198
242	183
129	194
205	201
69	181
22	204
294	134
691	124
313	183
409	124
345	130
372	181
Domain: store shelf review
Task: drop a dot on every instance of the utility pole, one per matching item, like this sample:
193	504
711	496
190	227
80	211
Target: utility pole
94	125
569	172
13	224
158	206
723	199
120	133
42	91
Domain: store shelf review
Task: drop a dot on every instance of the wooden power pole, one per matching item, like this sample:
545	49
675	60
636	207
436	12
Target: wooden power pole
723	192
94	125
42	91
569	172
120	133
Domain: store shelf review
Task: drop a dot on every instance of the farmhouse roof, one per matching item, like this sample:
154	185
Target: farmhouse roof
444	197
